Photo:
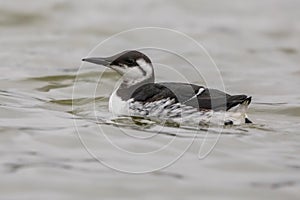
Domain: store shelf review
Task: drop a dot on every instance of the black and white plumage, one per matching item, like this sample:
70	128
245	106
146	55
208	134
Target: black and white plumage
139	95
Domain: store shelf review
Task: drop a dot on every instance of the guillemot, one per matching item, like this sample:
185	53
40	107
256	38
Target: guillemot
139	95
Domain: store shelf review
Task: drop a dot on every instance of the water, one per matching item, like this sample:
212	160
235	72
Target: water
256	47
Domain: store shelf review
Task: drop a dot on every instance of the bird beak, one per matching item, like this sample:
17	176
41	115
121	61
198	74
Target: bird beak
99	61
105	61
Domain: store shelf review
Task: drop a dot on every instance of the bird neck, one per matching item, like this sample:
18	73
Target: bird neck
126	88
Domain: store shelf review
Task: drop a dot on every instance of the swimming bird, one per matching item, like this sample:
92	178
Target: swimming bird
139	95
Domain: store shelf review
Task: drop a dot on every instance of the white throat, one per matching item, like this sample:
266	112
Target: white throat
139	73
130	81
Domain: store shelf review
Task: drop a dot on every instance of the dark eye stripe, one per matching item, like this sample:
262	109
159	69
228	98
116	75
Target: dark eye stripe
143	71
130	61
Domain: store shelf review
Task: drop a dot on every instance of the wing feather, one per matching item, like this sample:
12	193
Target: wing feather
188	94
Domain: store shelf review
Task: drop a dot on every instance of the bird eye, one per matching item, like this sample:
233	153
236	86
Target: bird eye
130	61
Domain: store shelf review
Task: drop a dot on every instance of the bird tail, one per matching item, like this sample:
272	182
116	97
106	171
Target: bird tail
237	114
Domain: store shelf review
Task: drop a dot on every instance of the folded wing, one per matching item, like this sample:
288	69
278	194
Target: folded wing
188	94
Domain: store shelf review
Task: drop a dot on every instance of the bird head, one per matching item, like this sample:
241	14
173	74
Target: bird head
133	66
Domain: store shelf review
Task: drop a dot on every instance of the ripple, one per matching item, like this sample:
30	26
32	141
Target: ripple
11	18
288	50
274	185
